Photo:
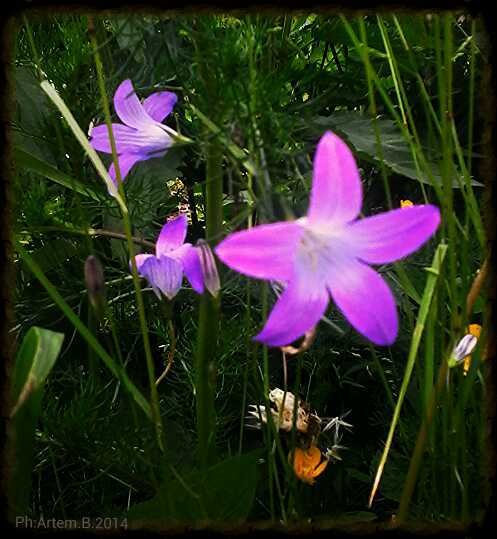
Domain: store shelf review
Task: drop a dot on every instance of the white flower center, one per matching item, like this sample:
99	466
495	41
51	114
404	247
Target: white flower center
322	249
158	138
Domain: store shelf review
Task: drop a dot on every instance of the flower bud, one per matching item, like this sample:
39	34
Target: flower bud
95	285
462	349
209	268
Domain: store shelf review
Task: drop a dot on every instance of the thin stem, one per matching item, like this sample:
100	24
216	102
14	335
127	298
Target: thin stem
208	325
127	228
417	455
170	354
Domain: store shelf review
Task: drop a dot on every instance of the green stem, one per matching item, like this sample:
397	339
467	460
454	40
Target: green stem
208	326
154	396
90	232
418	452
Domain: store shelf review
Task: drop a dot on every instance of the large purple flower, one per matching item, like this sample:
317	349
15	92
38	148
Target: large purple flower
164	270
326	254
142	135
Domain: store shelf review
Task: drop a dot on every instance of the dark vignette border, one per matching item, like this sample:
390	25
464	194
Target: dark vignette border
486	114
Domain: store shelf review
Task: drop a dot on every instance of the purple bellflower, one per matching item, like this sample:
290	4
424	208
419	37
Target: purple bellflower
173	257
327	253
142	135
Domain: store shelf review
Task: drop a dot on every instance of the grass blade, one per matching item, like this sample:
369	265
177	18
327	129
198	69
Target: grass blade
50	90
433	274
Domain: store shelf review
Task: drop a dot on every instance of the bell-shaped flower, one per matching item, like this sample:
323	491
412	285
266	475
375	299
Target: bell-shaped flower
326	254
173	258
142	135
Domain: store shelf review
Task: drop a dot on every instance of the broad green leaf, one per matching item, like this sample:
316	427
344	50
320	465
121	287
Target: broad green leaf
33	106
223	493
37	165
130	37
360	133
35	359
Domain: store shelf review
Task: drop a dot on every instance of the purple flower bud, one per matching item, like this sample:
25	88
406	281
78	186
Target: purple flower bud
462	349
95	284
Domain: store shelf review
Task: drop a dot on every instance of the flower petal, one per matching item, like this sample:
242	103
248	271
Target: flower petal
163	273
172	235
128	139
128	107
208	267
336	194
126	162
264	252
365	300
192	268
160	105
298	309
394	234
140	259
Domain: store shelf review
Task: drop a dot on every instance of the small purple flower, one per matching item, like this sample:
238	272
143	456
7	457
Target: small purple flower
142	135
173	257
326	253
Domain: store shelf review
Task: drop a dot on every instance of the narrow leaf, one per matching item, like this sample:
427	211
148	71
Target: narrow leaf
37	165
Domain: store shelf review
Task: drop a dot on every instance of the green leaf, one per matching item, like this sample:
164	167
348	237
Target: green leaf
360	133
32	104
35	359
223	493
37	165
